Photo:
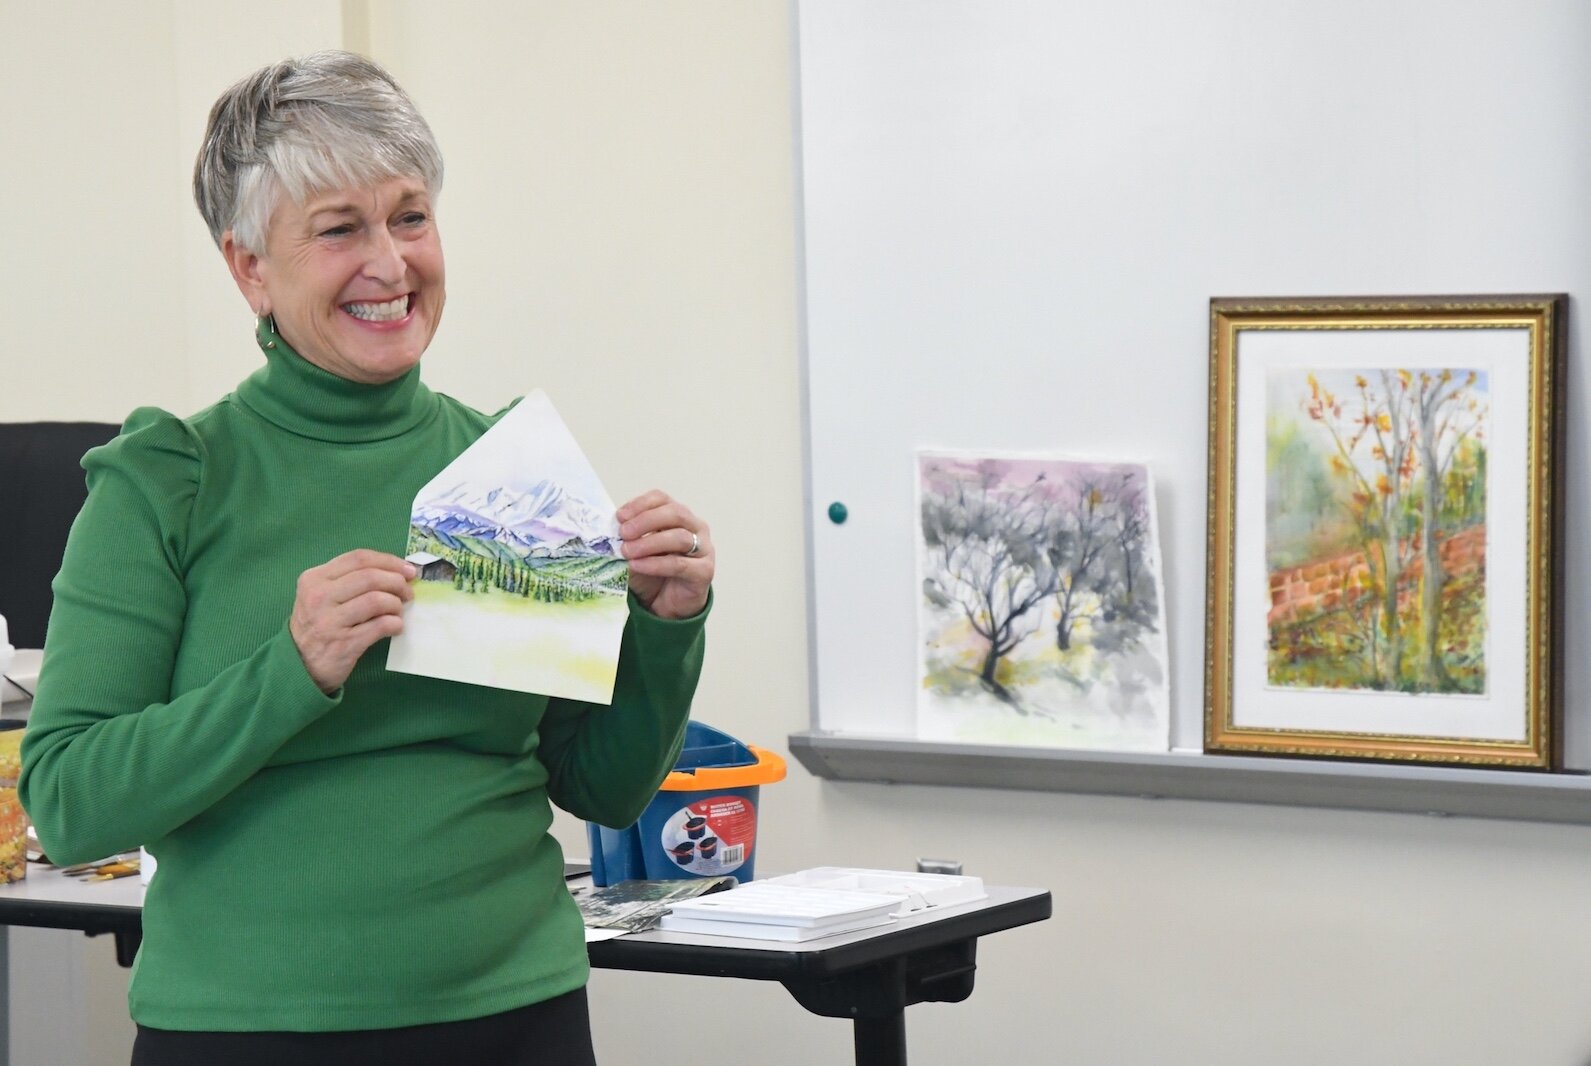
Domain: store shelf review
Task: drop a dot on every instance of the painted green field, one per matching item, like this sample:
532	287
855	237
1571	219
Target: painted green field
509	641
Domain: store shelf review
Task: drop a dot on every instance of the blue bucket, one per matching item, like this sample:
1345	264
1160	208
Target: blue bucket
703	822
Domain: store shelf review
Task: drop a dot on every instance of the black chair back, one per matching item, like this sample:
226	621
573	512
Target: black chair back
41	491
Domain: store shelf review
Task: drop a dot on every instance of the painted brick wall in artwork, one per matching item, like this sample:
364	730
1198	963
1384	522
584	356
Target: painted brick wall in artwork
1299	593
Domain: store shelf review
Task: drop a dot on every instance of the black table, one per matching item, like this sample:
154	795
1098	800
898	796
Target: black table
870	976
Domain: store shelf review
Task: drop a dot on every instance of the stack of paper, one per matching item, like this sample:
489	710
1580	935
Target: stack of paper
917	891
819	902
766	911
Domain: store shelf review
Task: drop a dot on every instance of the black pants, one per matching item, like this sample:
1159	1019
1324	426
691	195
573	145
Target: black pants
554	1033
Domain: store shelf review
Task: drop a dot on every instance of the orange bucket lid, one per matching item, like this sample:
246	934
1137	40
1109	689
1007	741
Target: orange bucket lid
768	768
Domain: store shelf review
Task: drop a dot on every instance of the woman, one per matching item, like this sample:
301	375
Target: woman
354	864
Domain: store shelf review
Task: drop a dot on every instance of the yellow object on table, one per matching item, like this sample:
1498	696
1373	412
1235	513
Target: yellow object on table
13	819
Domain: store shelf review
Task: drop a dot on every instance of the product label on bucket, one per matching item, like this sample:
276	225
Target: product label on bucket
711	836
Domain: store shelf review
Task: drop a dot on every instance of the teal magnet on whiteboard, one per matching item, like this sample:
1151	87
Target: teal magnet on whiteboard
837	513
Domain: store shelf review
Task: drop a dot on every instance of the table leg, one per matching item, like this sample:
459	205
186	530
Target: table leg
881	1041
127	944
127	941
875	997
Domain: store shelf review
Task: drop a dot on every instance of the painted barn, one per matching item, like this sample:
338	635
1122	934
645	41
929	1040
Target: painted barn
433	567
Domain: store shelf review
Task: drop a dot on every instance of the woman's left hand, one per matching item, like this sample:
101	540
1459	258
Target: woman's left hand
670	552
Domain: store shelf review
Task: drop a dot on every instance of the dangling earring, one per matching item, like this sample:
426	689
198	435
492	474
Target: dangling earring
268	322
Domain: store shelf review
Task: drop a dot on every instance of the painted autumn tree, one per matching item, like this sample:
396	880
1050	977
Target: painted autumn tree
1394	443
986	544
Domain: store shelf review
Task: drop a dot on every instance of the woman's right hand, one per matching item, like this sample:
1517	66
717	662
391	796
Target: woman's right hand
343	607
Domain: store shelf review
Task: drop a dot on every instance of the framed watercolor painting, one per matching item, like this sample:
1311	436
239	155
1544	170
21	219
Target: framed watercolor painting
1384	528
1041	617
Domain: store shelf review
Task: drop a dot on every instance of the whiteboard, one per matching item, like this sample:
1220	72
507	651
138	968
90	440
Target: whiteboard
1015	214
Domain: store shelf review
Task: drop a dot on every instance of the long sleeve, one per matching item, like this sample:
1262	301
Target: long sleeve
111	760
605	763
174	711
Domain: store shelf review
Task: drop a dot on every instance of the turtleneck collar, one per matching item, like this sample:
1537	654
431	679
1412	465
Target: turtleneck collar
295	394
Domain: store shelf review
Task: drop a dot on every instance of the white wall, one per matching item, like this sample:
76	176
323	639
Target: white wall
1016	215
619	220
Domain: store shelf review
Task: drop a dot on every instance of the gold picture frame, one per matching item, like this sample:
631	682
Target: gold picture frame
1358	445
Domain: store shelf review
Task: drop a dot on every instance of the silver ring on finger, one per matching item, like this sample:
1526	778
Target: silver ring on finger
696	545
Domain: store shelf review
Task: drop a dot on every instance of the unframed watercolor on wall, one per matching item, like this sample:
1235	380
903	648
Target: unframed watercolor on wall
1041	620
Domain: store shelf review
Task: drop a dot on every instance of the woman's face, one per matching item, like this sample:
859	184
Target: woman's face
354	278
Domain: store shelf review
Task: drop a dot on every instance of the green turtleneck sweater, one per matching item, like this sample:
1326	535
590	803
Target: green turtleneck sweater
374	858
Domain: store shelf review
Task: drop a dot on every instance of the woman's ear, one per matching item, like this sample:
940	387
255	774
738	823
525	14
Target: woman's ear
245	267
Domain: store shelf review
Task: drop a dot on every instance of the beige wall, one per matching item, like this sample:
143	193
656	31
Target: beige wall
91	165
620	224
112	293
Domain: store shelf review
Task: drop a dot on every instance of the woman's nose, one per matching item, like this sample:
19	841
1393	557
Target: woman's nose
384	260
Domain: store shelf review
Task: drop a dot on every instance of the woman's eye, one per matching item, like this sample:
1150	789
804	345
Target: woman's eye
338	231
414	218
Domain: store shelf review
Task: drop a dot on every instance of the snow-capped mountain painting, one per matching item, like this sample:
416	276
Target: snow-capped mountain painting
520	581
546	521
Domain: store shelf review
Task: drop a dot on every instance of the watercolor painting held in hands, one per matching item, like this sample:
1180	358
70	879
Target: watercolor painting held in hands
1042	617
521	583
1375	529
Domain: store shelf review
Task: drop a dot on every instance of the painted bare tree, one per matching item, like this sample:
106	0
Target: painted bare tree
1096	545
985	546
1131	528
1078	538
1449	414
1131	602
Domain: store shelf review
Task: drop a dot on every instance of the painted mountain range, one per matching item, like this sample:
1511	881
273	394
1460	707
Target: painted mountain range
544	522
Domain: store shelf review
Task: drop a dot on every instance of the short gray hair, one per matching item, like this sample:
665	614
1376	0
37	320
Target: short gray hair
327	120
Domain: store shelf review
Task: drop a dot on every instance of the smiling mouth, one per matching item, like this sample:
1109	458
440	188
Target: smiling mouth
390	311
